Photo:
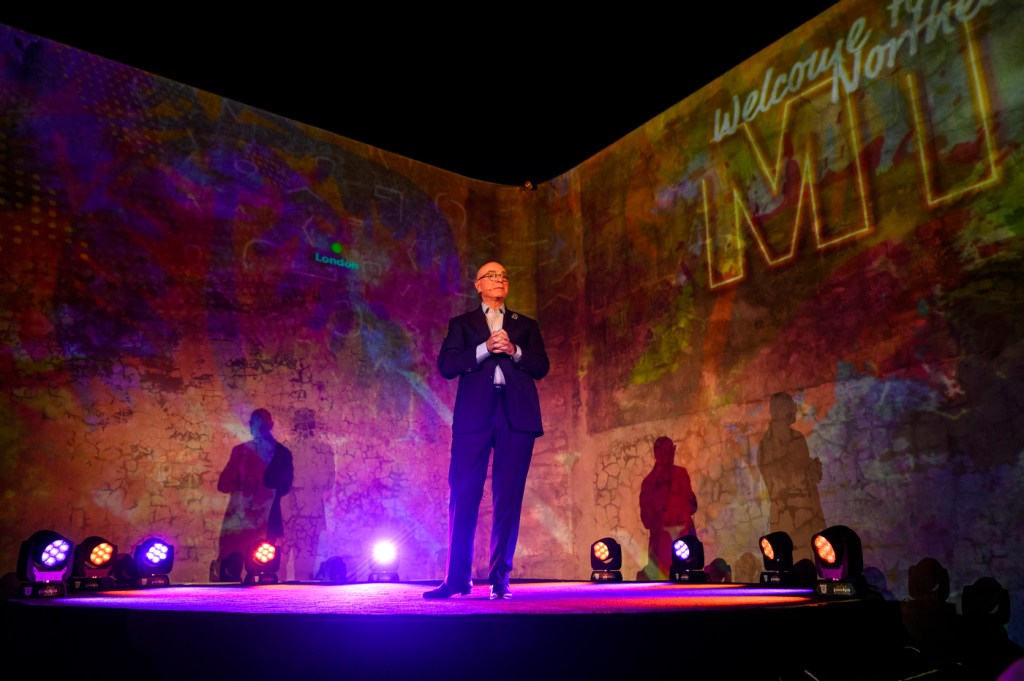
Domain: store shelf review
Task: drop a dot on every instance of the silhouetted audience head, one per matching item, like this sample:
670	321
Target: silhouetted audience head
987	648
986	601
877	583
928	581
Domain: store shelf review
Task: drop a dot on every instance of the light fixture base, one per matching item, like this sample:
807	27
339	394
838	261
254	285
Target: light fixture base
383	577
42	590
258	578
827	588
690	577
152	581
91	583
606	576
781	579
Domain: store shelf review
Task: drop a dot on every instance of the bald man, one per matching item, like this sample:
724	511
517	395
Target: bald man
497	355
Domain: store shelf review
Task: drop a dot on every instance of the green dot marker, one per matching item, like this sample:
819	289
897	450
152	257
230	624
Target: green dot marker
336	247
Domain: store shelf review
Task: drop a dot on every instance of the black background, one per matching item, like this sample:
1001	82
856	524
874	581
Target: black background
504	93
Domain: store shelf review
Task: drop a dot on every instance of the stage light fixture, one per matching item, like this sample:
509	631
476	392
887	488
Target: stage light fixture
777	556
44	562
839	562
151	563
384	562
262	563
334	570
93	566
688	560
606	560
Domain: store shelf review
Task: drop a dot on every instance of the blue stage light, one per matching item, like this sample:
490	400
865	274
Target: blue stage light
152	561
688	560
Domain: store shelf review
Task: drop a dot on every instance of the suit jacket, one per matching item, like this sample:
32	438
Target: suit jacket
458	359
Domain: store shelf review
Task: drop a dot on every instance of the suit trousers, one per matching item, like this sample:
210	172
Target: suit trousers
466	477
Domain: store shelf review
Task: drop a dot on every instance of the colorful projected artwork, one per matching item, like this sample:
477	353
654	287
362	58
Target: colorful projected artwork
172	261
837	220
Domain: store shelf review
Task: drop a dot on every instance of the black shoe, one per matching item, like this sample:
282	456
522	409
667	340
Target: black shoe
445	591
500	592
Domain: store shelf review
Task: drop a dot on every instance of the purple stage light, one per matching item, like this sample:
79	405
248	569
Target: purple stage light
56	552
44	562
153	560
384	552
384	562
688	560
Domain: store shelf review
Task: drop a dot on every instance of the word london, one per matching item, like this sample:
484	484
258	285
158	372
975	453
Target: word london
337	262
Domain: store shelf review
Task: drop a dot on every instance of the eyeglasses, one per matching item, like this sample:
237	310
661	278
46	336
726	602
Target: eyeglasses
494	276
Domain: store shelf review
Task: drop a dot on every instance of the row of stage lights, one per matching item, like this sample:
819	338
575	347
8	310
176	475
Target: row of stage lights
48	566
838	561
264	560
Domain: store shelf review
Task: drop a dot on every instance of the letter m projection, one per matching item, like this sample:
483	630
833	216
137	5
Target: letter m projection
815	178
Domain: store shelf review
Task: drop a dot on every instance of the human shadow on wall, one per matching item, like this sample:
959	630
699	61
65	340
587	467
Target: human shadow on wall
667	505
305	521
791	477
258	474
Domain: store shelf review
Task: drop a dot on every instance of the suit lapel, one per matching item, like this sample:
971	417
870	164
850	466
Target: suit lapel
510	321
478	320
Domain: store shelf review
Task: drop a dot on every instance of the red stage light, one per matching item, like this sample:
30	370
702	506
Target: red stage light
262	564
824	550
94	564
101	554
264	553
777	556
605	560
839	562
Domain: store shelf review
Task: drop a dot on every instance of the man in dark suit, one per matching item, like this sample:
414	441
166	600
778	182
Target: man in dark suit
497	356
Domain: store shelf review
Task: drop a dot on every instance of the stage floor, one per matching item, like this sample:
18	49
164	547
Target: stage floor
549	629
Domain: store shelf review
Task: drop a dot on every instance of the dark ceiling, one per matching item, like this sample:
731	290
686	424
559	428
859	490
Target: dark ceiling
512	97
